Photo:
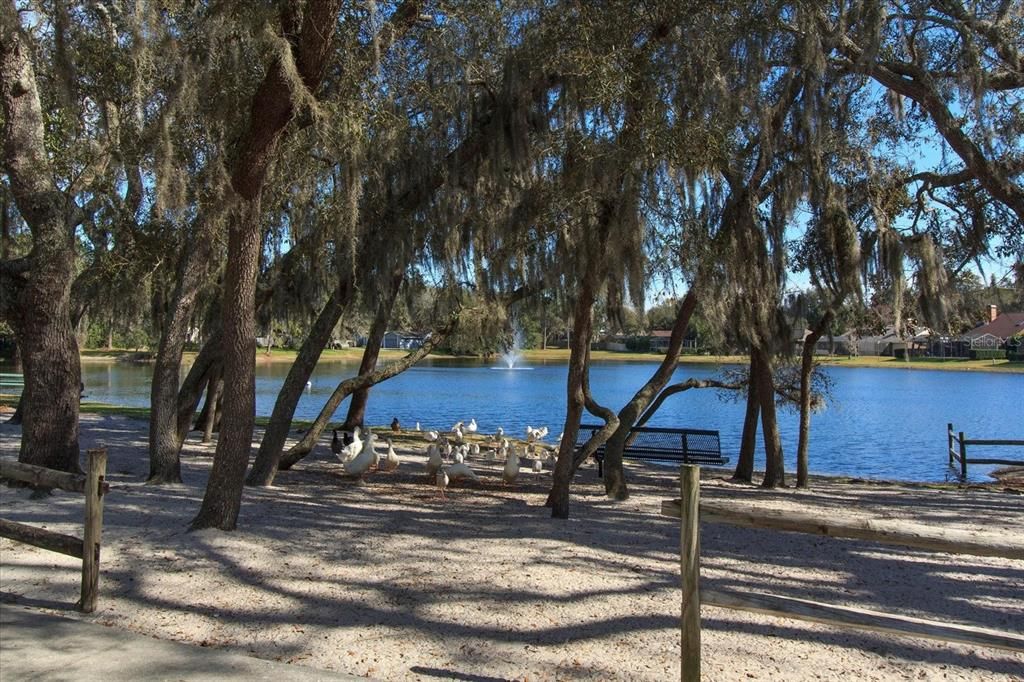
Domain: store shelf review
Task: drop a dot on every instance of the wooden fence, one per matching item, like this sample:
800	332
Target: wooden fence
960	453
87	548
691	510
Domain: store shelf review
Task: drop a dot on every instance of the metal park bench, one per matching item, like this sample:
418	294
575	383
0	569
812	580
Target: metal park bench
687	446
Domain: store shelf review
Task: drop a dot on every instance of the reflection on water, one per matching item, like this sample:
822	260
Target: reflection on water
882	423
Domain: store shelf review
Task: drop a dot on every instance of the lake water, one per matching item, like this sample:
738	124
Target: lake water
882	423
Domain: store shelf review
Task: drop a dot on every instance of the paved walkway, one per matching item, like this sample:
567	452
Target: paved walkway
40	646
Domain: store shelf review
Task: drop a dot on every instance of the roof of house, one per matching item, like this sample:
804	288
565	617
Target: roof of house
661	333
1003	327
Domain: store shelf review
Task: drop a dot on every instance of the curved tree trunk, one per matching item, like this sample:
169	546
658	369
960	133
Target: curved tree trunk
357	406
164	445
748	444
213	412
265	466
37	289
774	468
806	366
614	475
350	385
579	352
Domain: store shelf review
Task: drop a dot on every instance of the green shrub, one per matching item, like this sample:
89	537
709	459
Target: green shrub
987	354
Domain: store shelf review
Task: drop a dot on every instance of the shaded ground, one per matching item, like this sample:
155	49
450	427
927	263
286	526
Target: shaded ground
384	579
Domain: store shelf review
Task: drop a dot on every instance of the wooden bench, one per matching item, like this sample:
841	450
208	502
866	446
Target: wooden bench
687	446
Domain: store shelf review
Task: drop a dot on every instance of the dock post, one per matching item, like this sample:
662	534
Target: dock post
963	457
949	443
689	556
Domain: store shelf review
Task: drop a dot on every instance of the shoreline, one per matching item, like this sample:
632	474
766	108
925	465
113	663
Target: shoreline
561	356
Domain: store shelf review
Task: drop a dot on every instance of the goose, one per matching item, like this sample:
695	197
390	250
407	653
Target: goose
432	435
391	460
461	470
395	426
366	458
472	427
441	481
511	470
352	447
434	461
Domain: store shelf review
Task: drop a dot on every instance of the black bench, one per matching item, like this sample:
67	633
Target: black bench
687	446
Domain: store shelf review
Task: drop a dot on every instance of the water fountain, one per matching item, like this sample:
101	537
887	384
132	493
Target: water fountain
511	355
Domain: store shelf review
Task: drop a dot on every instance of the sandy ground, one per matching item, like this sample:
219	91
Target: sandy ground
385	580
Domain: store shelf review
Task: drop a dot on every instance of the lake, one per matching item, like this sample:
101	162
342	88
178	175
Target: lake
881	423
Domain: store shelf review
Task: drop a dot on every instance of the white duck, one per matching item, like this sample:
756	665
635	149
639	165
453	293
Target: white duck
460	470
511	470
474	449
471	426
418	426
499	433
434	461
457	426
353	448
391	460
538	466
432	435
366	458
457	433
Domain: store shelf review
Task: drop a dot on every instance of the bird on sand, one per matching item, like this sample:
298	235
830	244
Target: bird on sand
391	460
471	426
511	470
395	426
366	458
441	481
351	447
460	470
434	461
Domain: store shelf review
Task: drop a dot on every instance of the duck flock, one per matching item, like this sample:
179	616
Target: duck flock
449	455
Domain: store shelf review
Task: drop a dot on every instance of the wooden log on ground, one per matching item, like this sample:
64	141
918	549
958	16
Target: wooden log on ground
40	537
97	463
862	619
885	531
689	545
41	476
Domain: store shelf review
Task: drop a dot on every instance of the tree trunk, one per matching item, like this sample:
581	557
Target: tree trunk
37	289
216	390
271	109
579	351
614	475
806	366
265	466
164	445
348	386
774	468
357	406
748	445
223	497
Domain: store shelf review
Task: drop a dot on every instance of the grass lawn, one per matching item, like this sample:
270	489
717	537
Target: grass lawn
561	355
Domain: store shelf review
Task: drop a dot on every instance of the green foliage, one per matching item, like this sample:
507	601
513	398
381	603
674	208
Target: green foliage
988	354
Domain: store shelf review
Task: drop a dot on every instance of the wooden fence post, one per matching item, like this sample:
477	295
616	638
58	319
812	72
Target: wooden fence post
689	557
963	457
93	527
949	442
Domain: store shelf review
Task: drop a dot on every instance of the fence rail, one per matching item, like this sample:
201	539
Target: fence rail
959	454
94	486
691	511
